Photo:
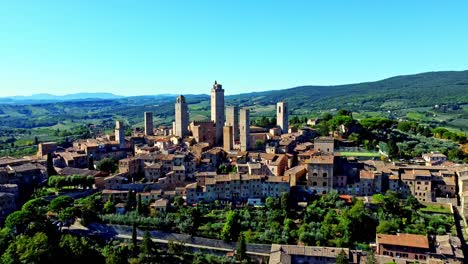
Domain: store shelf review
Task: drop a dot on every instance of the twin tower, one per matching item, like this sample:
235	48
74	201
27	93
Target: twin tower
229	128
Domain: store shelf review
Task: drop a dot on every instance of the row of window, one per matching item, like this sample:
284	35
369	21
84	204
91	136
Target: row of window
323	175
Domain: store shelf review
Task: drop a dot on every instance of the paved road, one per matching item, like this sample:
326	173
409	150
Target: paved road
125	232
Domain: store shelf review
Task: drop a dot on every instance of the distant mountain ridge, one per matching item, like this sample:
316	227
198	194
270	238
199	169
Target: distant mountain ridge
45	97
424	89
392	94
404	91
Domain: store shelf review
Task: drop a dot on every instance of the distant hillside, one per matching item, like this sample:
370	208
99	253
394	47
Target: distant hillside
425	89
397	93
45	97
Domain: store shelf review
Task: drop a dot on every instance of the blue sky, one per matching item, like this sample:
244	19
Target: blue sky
152	47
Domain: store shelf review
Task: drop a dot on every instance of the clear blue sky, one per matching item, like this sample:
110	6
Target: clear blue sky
151	47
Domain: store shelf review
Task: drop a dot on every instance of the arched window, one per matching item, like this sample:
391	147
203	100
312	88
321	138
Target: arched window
314	174
325	174
314	184
324	184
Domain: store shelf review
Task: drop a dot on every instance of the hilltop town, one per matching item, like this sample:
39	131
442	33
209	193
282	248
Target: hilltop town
410	210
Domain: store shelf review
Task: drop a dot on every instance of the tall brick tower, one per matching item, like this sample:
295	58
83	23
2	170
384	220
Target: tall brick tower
217	111
282	116
232	119
120	134
244	126
181	117
149	129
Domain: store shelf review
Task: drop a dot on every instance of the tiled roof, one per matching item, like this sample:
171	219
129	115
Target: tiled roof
404	240
321	159
363	174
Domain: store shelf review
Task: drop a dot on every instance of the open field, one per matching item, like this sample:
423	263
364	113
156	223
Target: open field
359	154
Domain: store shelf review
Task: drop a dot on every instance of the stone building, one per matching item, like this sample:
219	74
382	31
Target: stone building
217	111
324	144
149	128
228	138
204	131
282	116
320	173
120	134
7	204
45	148
406	246
291	254
132	166
419	184
244	126
237	187
181	122
232	119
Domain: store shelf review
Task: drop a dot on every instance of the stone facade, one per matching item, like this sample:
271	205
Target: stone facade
217	111
204	131
237	187
232	119
228	141
282	116
181	122
320	173
244	126
324	144
149	129
120	134
45	148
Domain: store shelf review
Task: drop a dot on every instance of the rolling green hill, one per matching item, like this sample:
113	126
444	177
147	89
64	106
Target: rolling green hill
410	96
425	89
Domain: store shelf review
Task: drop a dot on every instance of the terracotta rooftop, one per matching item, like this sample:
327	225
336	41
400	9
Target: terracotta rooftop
283	253
321	159
404	240
364	174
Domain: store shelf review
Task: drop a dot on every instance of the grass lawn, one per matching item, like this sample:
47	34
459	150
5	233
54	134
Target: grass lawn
359	154
441	209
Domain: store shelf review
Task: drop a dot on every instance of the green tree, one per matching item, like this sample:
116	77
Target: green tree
344	112
284	200
139	205
259	144
241	252
327	116
6	237
36	207
134	235
74	249
231	228
68	215
370	259
33	250
413	203
147	249
131	201
18	221
178	202
342	258
107	165
60	203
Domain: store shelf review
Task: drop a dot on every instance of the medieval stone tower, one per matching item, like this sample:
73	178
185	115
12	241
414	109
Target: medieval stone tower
217	111
244	126
120	134
149	129
181	117
282	116
232	120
